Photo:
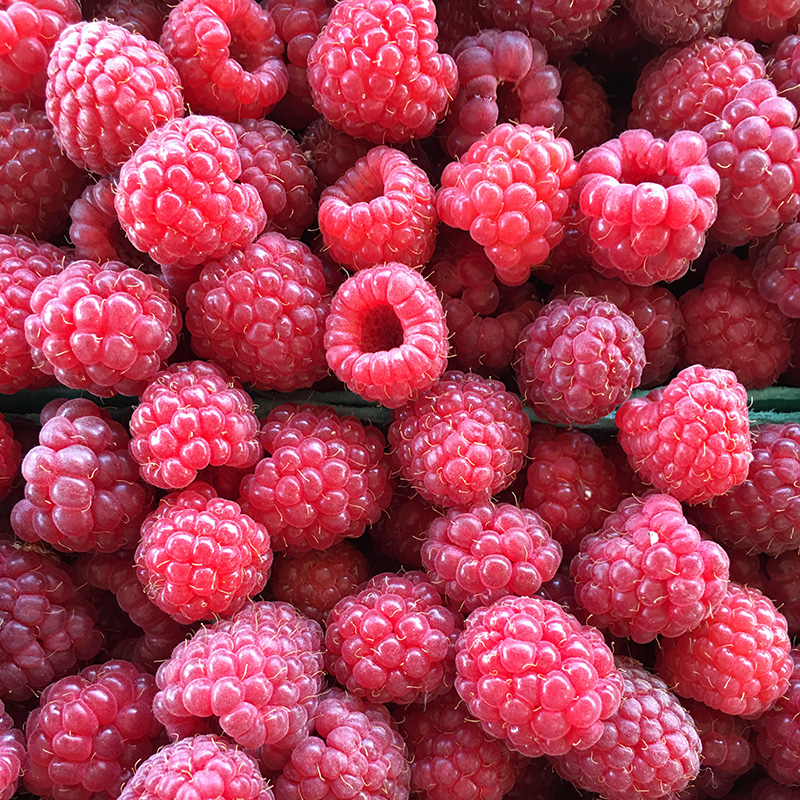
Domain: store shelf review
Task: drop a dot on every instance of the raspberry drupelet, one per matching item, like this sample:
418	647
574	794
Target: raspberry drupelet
736	661
145	17
393	641
382	209
90	732
587	114
690	438
462	441
12	754
777	271
386	336
783	67
509	190
400	533
679	23
762	20
192	416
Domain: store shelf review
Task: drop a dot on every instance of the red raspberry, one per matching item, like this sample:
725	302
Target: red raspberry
503	76
538	781
178	199
462	441
766	789
649	749
199	557
535	677
587	114
91	731
457	20
777	271
145	17
385	336
690	438
648	572
579	359
83	491
356	752
260	313
331	152
375	70
509	191
200	766
764	20
10	459
483	552
228	56
782	586
225	480
679	23
737	660
325	480
107	89
748	570
12	753
394	641
783	67
47	621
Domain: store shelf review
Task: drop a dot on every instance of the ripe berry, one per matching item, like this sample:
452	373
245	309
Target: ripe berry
587	114
777	274
12	753
680	23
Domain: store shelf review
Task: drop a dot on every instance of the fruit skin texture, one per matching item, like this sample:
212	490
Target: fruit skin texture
680	23
10	459
737	660
587	114
777	271
783	67
698	421
12	753
400	533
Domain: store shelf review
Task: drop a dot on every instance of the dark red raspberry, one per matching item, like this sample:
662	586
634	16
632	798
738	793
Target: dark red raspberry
690	438
12	753
10	459
579	359
766	789
203	766
91	731
375	70
777	271
145	17
394	641
82	489
225	480
629	480
331	152
260	313
356	751
782	586
587	114
679	23
574	252
536	678
509	191
190	417
762	20
503	76
400	533
462	441
325	479
538	781
386	336
228	56
783	67
748	569
178	198
47	621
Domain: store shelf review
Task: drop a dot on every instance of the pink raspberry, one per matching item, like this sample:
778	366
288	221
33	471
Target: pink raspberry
462	441
737	660
178	198
256	676
326	478
260	313
12	753
579	359
509	191
777	271
10	458
91	731
536	678
82	488
356	751
679	23
375	70
587	114
228	57
382	209
690	438
145	17
783	67
394	641
331	152
385	336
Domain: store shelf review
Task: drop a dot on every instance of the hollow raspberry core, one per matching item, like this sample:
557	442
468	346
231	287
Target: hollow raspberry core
381	330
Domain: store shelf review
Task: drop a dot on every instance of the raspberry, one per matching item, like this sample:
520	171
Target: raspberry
107	89
375	70
12	753
766	789
680	23
783	67
202	766
144	17
107	329
400	533
10	459
509	191
764	20
538	781
394	641
587	114
690	438
535	677
748	569
579	359
325	480
483	552
83	491
737	660
781	586
225	480
462	441
331	152
385	336
754	149
356	752
47	621
649	748
260	313
316	581
91	731
382	209
777	271
647	572
503	76
177	197
457	20
228	57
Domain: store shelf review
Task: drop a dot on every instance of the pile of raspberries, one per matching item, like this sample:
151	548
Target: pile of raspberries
377	421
